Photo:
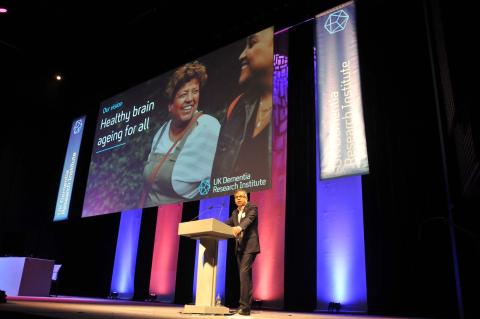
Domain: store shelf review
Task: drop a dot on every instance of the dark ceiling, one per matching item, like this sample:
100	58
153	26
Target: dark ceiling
102	49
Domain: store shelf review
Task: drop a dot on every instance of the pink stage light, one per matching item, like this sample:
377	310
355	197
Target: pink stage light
3	10
269	269
165	252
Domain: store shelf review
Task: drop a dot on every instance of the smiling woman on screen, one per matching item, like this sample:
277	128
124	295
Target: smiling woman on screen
245	145
183	148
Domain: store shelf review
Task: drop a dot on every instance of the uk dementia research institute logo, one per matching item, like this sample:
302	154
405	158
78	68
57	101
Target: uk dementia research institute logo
336	22
77	127
204	187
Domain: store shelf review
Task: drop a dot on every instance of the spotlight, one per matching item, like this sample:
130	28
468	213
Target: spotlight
113	295
3	296
334	307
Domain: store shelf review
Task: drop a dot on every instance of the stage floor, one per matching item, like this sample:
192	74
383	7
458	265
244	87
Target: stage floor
81	308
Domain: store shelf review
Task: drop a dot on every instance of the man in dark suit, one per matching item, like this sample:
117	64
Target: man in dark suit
244	221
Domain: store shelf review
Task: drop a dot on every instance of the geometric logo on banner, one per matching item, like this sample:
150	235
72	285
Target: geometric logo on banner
77	127
336	21
204	187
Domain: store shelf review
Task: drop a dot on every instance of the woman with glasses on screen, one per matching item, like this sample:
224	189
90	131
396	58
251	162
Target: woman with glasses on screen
183	148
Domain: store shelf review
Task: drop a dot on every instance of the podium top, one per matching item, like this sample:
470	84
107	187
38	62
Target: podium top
205	228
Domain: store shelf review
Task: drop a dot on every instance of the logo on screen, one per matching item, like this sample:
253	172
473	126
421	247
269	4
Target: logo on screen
204	187
77	127
336	22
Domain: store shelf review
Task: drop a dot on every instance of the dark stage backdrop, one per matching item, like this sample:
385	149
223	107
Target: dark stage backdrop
300	233
409	263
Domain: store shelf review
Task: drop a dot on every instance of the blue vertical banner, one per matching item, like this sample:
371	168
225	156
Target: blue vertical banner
69	167
123	276
343	148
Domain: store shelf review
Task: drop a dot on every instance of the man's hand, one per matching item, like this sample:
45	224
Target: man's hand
236	231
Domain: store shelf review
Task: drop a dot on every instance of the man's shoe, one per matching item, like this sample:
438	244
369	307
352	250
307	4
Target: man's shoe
244	312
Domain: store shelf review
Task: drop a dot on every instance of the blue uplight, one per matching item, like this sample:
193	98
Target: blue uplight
215	208
341	273
123	276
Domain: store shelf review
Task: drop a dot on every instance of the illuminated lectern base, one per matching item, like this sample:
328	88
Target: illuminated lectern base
215	310
209	231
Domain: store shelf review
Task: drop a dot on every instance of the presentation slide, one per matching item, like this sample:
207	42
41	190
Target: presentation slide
200	130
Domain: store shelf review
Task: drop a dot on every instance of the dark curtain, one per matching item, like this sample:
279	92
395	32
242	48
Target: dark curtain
408	252
300	236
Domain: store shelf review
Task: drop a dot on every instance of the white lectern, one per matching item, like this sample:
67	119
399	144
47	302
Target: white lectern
209	232
25	276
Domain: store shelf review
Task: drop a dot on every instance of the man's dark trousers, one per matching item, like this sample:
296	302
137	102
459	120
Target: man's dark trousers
245	262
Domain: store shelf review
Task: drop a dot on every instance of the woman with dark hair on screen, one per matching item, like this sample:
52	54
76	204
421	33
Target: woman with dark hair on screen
183	148
246	132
